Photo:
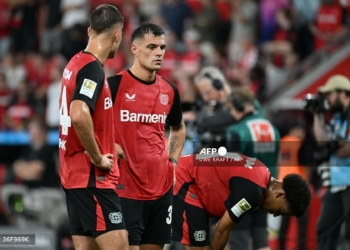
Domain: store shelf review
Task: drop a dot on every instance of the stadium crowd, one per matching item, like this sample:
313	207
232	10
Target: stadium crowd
253	43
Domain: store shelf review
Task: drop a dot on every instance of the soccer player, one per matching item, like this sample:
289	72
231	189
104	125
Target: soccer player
89	171
143	103
227	187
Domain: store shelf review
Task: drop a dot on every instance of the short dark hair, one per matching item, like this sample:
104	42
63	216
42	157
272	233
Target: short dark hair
147	28
298	194
104	17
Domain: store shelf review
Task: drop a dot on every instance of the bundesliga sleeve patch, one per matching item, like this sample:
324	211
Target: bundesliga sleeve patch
88	88
241	207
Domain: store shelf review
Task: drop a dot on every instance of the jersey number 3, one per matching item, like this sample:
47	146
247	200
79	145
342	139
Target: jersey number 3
65	120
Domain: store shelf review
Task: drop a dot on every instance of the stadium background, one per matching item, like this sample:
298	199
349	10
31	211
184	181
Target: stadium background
272	46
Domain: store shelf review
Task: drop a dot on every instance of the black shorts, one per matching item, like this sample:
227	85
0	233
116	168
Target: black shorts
149	221
93	211
190	224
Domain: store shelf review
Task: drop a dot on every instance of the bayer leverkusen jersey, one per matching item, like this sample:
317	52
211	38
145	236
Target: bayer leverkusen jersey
236	184
84	80
141	110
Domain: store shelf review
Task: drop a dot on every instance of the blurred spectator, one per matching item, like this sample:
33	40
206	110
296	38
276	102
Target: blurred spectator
243	25
4	99
36	166
224	8
75	41
50	40
268	22
305	11
170	59
330	23
176	13
5	15
52	109
21	108
27	18
285	39
74	12
149	8
246	61
191	58
206	21
14	70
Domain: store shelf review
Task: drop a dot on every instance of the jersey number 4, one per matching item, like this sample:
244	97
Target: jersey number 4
65	120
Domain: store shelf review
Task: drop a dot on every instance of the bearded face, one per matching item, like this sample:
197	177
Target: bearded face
335	105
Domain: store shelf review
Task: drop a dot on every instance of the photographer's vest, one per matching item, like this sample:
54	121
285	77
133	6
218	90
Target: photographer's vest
258	139
290	146
340	167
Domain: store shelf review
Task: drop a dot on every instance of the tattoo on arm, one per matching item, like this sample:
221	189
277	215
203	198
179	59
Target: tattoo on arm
173	144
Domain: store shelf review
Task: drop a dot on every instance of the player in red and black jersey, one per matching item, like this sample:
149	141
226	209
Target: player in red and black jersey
89	171
226	188
143	103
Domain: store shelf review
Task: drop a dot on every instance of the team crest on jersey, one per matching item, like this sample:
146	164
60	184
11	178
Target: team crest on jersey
164	99
116	217
200	235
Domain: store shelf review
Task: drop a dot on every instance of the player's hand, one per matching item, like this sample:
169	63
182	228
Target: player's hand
120	152
106	162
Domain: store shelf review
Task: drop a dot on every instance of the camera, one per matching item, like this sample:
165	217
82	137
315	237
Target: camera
314	103
324	153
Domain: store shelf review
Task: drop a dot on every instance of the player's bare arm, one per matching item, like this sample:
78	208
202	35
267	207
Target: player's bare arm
222	232
82	122
120	152
176	140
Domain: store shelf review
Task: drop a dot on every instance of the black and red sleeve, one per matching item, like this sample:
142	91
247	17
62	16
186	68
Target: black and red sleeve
89	83
174	117
114	82
244	196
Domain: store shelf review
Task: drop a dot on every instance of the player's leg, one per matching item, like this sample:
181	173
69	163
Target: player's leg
110	232
81	240
328	225
132	211
157	218
283	232
260	234
190	226
346	207
84	243
113	240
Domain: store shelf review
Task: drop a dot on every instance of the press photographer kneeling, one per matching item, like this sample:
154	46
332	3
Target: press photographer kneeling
336	137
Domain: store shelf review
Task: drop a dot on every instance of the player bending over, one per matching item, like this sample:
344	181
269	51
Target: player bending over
227	187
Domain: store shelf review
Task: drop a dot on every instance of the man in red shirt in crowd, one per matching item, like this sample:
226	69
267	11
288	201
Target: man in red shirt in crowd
143	103
89	171
214	186
330	23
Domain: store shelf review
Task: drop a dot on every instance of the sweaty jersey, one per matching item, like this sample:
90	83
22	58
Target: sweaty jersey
236	184
141	110
84	79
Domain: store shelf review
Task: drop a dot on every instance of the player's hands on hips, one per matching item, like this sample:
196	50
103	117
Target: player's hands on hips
105	163
120	152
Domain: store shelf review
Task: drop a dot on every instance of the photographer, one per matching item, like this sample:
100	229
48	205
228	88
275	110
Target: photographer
215	116
336	138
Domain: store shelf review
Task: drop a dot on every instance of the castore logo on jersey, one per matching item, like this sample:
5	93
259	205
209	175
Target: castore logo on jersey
130	98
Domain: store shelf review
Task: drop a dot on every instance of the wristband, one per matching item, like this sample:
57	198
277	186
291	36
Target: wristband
173	161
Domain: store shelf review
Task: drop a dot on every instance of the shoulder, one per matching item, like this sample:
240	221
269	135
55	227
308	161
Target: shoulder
170	83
